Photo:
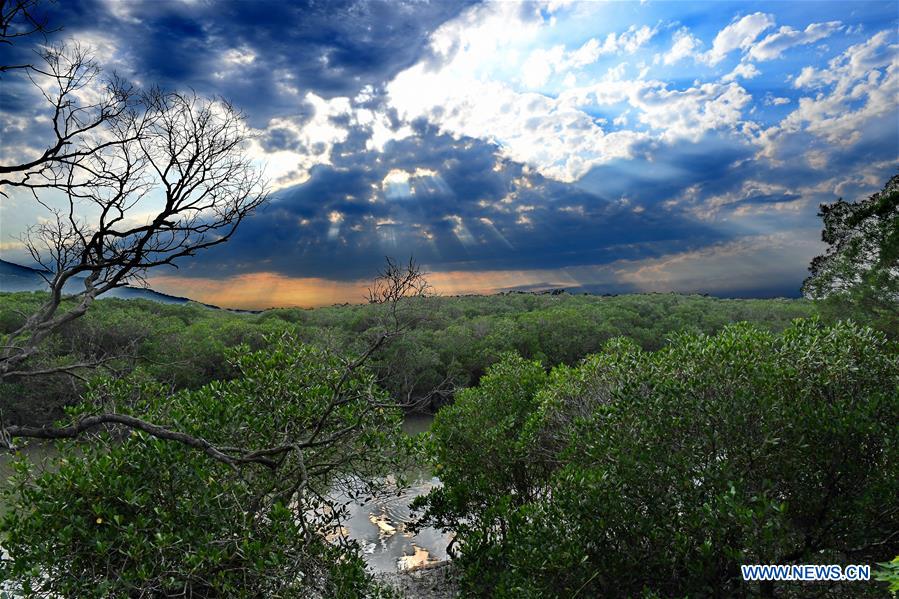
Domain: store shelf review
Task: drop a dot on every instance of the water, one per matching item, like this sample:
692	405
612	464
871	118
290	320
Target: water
379	526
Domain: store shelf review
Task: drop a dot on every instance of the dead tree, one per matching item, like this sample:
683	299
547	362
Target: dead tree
18	19
396	282
80	103
82	108
171	179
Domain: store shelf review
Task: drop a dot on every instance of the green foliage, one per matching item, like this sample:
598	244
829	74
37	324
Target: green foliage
650	469
661	472
889	573
485	466
859	273
138	516
452	344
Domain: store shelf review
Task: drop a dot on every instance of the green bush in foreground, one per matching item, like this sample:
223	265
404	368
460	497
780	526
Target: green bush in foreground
660	473
135	516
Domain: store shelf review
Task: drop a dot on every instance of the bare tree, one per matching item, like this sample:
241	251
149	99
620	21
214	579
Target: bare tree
394	283
172	179
131	180
82	108
181	157
18	19
80	103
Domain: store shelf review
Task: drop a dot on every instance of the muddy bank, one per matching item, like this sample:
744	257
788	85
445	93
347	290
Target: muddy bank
432	581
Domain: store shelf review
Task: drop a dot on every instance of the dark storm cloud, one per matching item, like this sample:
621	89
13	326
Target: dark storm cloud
663	172
478	212
332	48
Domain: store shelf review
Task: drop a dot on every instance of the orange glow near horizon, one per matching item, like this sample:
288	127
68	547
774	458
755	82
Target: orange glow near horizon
704	270
261	290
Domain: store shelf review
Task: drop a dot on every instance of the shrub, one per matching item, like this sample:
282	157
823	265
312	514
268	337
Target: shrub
662	472
133	515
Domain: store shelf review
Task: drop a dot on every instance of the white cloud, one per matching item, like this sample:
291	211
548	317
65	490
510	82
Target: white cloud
492	32
233	61
674	114
739	35
856	62
312	141
400	184
460	96
560	140
746	70
775	44
380	127
689	113
863	85
772	100
470	91
122	10
542	63
629	41
685	45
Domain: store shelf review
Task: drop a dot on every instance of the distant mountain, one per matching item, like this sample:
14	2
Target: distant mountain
19	278
14	277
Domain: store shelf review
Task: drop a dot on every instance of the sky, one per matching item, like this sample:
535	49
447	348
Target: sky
606	147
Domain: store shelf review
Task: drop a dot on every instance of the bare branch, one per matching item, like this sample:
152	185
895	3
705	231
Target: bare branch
68	369
91	422
80	107
187	147
18	19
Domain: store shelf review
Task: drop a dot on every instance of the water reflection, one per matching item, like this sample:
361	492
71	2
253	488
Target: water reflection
380	525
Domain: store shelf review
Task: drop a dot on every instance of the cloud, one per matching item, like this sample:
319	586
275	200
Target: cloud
290	147
728	269
674	113
454	204
775	44
558	135
739	35
262	290
858	88
508	144
541	64
555	137
731	268
772	100
266	55
746	70
685	45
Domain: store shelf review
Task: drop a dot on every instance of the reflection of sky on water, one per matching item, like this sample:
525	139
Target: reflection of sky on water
379	526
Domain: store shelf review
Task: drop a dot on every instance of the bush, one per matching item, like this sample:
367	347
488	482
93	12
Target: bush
133	515
662	472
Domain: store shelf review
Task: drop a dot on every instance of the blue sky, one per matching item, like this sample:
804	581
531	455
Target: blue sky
598	146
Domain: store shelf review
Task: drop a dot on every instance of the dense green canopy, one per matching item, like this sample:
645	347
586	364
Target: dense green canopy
861	264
